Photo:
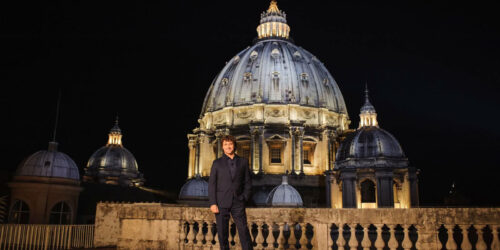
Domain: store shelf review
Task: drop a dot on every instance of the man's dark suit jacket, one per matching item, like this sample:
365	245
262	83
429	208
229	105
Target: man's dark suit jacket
222	188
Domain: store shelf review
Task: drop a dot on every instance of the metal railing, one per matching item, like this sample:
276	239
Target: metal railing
35	236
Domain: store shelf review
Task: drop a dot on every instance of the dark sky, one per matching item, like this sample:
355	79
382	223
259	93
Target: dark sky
432	68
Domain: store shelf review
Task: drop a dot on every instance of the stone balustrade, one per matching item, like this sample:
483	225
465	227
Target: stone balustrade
167	226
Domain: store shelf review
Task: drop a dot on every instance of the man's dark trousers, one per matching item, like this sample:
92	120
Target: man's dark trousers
240	219
229	187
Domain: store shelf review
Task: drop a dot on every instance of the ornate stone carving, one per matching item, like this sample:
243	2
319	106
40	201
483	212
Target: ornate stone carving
309	114
219	118
275	112
245	114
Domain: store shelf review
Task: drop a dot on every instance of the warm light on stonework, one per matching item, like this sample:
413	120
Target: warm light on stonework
115	138
275	28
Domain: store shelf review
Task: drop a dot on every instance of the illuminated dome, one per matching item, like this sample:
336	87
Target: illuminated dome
283	107
284	195
370	145
113	163
274	71
49	163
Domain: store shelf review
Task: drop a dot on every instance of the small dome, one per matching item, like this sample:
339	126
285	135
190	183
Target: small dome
113	163
196	188
49	163
369	143
284	195
113	158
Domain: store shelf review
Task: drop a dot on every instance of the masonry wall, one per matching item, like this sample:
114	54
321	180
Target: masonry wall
158	226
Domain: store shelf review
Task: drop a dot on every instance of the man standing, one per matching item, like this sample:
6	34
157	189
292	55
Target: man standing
229	188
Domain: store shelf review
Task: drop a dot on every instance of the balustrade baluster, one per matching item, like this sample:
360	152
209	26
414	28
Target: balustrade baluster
340	240
292	240
379	242
191	235
182	233
260	237
393	243
216	238
366	243
481	244
353	242
270	237
329	241
495	244
281	236
406	244
466	245
450	243
210	235
303	237
199	236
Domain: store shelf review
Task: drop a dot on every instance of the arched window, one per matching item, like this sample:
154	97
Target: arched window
367	191
60	213
19	213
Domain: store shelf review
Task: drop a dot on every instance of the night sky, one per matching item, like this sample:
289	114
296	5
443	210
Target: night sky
432	67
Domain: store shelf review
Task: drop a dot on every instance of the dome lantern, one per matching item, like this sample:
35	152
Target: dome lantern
115	135
367	115
273	23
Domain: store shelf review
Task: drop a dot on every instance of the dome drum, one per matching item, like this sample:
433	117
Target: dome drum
273	114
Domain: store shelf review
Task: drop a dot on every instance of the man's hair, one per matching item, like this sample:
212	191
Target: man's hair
229	138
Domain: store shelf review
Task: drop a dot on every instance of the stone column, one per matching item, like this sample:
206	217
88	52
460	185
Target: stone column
348	177
297	133
328	185
385	192
412	176
257	133
328	137
192	145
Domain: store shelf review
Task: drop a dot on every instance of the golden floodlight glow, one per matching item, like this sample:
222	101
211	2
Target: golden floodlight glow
115	138
275	24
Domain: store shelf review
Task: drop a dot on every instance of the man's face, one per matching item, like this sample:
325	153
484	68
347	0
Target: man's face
228	147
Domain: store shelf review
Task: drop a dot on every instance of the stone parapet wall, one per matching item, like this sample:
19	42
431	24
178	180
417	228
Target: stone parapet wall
167	226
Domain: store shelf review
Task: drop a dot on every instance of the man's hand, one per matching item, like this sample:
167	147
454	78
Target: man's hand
214	208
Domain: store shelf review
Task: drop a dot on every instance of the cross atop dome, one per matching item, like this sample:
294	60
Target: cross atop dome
273	23
273	7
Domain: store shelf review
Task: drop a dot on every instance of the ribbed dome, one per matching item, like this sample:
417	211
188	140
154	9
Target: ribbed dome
49	163
275	72
369	143
196	188
113	158
284	195
113	163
